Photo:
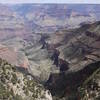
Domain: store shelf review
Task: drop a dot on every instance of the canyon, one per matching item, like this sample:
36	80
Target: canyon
58	45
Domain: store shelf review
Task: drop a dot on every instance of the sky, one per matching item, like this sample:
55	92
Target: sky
51	1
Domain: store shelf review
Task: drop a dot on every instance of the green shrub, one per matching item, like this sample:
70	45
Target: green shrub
14	78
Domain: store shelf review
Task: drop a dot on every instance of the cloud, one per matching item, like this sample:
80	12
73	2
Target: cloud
51	1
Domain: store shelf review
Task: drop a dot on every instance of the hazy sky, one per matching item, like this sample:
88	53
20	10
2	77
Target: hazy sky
50	1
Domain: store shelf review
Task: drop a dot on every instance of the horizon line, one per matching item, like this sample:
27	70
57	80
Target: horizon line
50	1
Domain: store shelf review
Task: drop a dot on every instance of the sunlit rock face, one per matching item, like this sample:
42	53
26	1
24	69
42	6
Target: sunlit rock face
14	57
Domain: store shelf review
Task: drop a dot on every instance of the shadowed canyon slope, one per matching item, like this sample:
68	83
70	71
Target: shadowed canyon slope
80	47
